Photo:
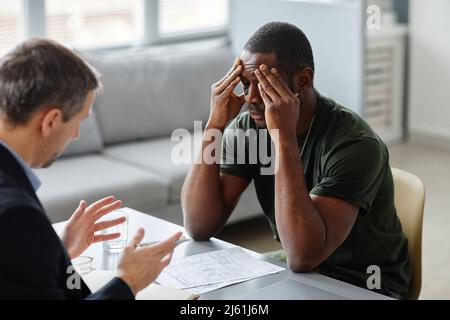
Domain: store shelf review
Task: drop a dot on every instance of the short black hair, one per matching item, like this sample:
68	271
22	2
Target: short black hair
287	41
41	72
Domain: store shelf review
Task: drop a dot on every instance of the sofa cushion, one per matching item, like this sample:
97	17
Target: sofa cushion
154	156
90	138
247	207
148	95
92	177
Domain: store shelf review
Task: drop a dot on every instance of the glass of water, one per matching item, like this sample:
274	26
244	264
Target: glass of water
120	243
83	265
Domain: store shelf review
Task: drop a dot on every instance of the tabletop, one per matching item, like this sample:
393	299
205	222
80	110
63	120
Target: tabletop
283	285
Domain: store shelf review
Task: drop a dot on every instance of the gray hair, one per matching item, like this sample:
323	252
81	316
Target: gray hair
40	73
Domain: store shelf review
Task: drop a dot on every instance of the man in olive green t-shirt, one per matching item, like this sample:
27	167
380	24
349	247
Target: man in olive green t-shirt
327	190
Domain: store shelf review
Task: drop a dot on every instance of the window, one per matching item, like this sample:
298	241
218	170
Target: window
94	23
11	24
89	24
188	16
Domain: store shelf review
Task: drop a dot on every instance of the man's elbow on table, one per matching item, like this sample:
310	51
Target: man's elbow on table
198	236
199	227
302	263
197	232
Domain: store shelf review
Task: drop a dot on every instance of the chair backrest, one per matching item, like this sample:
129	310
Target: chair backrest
409	202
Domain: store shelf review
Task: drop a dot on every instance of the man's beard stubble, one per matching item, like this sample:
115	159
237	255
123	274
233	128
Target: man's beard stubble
50	162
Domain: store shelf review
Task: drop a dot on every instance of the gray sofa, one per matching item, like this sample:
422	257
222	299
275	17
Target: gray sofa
125	146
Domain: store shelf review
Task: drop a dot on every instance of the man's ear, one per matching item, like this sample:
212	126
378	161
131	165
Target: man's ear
50	121
303	79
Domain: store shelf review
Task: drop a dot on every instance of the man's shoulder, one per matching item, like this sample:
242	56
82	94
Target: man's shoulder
12	196
19	212
344	127
344	115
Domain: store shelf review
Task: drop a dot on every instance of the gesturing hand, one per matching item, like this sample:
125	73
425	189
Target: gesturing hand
79	232
139	267
225	104
282	106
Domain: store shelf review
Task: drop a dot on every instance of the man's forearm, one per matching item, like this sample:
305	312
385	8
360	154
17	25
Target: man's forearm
201	196
300	225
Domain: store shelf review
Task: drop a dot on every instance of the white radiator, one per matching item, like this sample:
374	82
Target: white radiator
384	81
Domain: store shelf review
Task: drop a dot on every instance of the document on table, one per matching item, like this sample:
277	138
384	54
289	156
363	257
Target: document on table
215	269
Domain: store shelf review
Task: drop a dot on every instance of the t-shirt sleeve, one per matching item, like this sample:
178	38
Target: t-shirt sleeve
353	172
234	158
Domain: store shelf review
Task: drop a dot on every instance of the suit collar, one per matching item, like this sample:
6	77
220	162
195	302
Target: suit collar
32	178
12	168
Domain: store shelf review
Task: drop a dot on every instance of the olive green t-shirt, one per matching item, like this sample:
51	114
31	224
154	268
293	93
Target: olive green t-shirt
343	158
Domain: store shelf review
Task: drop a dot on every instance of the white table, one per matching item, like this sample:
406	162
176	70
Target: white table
158	229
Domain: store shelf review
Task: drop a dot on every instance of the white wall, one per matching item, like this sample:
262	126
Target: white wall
335	30
429	100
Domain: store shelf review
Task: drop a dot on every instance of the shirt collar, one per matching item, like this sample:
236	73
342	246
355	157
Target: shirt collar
32	177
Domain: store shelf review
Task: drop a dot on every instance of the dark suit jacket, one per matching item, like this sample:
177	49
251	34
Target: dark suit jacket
33	261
